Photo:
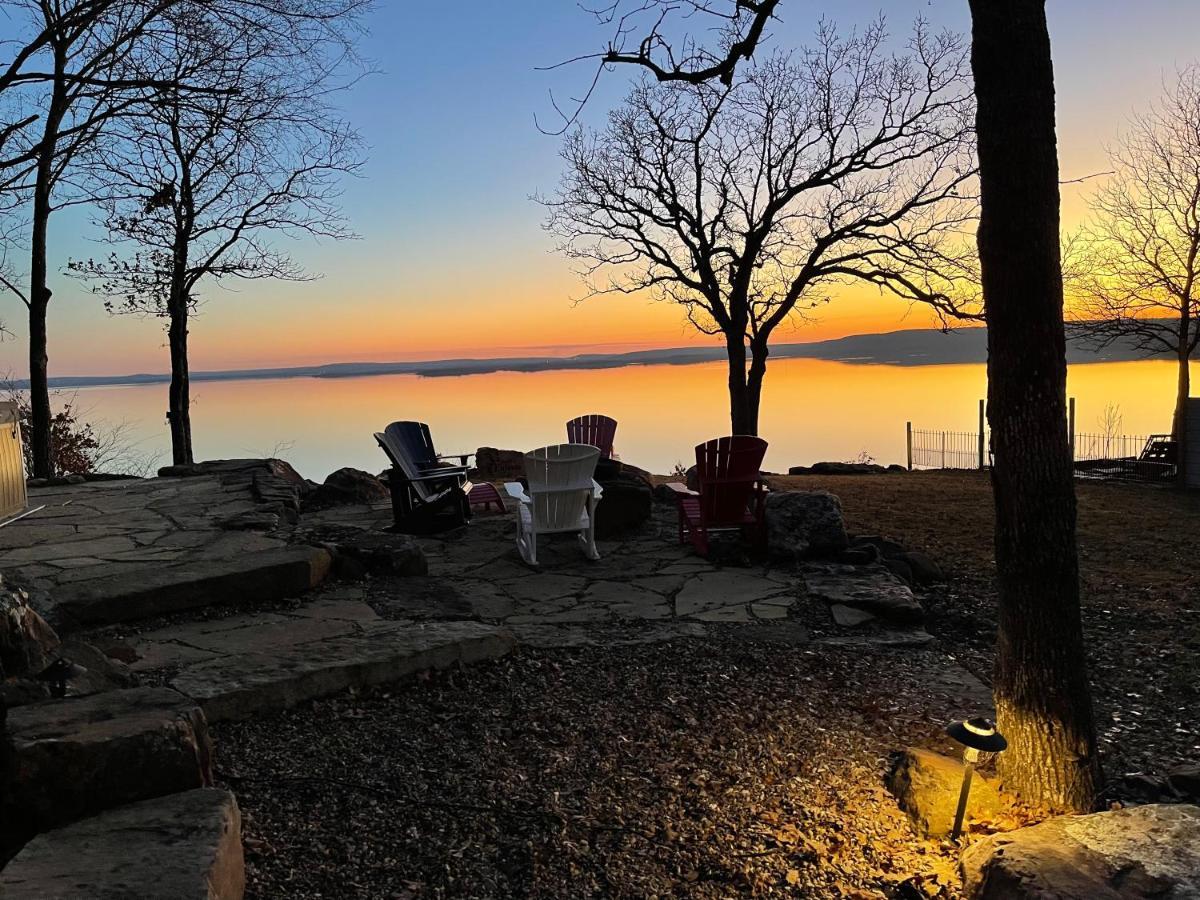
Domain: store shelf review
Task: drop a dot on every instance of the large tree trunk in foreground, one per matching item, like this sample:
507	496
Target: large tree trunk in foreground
1041	686
1179	422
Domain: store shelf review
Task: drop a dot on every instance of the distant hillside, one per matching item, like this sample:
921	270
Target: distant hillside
918	347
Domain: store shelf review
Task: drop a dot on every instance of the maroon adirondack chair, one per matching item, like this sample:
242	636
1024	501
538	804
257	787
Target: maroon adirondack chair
731	496
593	429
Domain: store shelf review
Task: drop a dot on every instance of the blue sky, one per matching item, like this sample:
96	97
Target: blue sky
452	259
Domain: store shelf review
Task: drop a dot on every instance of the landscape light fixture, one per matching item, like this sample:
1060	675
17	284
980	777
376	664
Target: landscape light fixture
977	735
58	673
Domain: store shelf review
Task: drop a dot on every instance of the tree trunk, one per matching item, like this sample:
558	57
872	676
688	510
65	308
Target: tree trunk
40	447
1041	687
743	407
754	381
179	399
1179	422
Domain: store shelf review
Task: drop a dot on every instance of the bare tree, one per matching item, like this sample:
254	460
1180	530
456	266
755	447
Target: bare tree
61	86
199	186
745	204
1139	257
79	66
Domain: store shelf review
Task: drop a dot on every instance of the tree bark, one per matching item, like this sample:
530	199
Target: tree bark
743	402
41	450
754	381
179	401
1179	422
1041	686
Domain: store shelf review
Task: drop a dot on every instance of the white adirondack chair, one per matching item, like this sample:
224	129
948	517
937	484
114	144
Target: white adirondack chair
562	497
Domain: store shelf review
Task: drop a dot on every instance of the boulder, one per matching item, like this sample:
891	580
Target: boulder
924	569
887	549
183	845
72	758
838	468
927	786
493	465
627	500
102	673
1139	852
27	642
873	590
347	486
804	523
1185	781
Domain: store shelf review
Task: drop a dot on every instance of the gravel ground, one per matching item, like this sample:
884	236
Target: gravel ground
691	769
1140	589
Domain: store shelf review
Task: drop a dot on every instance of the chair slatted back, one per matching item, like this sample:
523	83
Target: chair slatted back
1159	448
398	452
727	469
594	429
560	478
415	438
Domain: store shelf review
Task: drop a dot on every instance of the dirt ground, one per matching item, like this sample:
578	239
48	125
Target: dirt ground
1139	551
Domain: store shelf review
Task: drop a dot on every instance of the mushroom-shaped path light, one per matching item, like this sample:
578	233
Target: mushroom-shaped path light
977	735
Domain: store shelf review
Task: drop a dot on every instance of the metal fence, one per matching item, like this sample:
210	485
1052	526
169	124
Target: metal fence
946	450
1106	456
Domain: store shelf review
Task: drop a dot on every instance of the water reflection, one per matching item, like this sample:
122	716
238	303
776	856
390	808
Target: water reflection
812	409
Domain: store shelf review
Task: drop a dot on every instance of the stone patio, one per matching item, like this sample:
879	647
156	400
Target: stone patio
116	551
226	602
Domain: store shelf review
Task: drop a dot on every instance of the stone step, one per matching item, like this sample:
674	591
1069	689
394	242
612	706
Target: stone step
271	574
182	845
243	684
71	758
860	595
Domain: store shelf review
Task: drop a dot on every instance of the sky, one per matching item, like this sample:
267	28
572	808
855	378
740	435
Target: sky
452	259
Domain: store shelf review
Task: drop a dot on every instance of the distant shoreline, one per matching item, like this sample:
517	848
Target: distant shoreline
916	347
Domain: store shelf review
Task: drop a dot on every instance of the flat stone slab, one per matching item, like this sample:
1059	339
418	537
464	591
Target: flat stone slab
1143	851
185	845
879	593
253	576
76	757
725	595
108	552
241	685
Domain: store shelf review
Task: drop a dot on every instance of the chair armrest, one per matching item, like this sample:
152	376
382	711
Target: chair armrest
597	490
517	492
436	475
682	489
445	471
462	457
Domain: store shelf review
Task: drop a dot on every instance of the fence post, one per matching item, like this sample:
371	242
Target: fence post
943	450
908	435
982	415
1071	426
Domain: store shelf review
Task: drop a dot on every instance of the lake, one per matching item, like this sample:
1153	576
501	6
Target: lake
812	410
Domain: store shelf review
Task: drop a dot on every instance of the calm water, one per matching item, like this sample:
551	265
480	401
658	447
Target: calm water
813	410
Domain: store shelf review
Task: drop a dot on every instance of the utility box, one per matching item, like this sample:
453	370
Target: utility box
1191	444
12	463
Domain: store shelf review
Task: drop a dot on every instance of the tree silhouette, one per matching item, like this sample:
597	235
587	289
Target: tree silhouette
745	204
1138	259
200	186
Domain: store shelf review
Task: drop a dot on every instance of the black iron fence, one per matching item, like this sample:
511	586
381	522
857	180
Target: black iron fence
1106	456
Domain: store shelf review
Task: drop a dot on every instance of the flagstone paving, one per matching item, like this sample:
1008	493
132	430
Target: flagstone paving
115	551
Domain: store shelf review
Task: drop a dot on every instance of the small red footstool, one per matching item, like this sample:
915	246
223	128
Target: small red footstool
485	494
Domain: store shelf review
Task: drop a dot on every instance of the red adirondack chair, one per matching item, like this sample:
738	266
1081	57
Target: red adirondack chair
593	429
732	494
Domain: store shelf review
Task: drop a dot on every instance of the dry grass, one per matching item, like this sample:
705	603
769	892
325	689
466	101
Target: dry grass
1140	573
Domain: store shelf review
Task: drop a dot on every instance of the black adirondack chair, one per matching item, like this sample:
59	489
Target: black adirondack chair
428	496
